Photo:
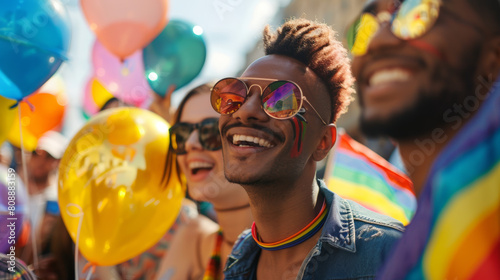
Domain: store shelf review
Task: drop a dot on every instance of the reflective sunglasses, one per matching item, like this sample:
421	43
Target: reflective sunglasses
411	20
280	99
208	135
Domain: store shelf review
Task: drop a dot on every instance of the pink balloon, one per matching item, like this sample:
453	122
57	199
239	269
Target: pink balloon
125	26
126	81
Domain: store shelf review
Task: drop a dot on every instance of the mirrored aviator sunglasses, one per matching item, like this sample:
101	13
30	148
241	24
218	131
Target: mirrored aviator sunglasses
280	99
208	135
408	20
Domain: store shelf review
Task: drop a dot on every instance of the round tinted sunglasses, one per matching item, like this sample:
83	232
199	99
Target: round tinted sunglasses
280	99
412	19
208	135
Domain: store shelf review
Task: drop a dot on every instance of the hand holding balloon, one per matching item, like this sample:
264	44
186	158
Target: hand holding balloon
161	105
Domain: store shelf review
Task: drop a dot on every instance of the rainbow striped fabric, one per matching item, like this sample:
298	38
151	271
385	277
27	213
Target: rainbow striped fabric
357	173
213	269
455	233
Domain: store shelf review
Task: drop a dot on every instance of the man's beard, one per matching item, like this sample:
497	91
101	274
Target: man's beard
427	112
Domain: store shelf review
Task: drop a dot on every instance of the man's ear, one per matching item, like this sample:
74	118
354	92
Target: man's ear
326	143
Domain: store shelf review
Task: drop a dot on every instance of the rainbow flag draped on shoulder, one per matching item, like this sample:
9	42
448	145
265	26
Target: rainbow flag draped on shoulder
455	233
357	173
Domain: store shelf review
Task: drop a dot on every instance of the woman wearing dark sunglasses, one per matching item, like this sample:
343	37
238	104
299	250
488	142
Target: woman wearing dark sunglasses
201	247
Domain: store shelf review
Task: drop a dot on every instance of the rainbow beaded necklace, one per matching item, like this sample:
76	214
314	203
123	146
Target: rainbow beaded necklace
213	268
299	237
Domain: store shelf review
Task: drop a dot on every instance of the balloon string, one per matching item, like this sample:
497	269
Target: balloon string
90	274
25	174
77	215
32	107
125	63
91	271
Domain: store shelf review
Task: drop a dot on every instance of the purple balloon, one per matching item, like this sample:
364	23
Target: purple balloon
11	222
126	81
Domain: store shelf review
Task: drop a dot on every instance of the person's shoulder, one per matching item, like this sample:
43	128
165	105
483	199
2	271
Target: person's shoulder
243	238
242	258
244	244
195	231
188	211
199	227
189	245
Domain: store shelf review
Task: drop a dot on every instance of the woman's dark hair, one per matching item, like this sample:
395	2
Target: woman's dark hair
108	103
171	157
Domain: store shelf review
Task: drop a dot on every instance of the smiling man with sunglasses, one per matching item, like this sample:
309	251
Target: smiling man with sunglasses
277	121
426	72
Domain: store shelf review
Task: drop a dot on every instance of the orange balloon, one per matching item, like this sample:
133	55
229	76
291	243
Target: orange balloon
47	115
125	26
49	104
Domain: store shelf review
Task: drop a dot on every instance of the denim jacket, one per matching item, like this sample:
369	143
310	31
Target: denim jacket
353	244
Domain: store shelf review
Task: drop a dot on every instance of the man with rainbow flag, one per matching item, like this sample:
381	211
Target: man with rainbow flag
426	72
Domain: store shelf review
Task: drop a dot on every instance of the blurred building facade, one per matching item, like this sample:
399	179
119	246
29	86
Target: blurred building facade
336	13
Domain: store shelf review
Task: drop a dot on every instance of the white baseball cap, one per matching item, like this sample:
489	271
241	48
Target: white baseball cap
53	143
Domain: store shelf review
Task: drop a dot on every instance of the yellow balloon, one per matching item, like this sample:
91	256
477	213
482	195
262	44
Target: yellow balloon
115	195
100	94
14	136
7	117
51	97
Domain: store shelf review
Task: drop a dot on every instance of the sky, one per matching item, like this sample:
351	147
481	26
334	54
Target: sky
230	28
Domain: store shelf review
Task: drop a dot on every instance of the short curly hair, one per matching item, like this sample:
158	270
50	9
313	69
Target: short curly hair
314	44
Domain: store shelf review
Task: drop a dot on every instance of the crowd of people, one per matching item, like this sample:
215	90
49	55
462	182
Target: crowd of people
425	74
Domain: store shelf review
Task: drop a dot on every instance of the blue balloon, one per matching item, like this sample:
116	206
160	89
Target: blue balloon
7	87
175	57
34	41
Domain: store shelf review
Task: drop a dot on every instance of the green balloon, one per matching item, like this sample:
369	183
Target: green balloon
175	57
